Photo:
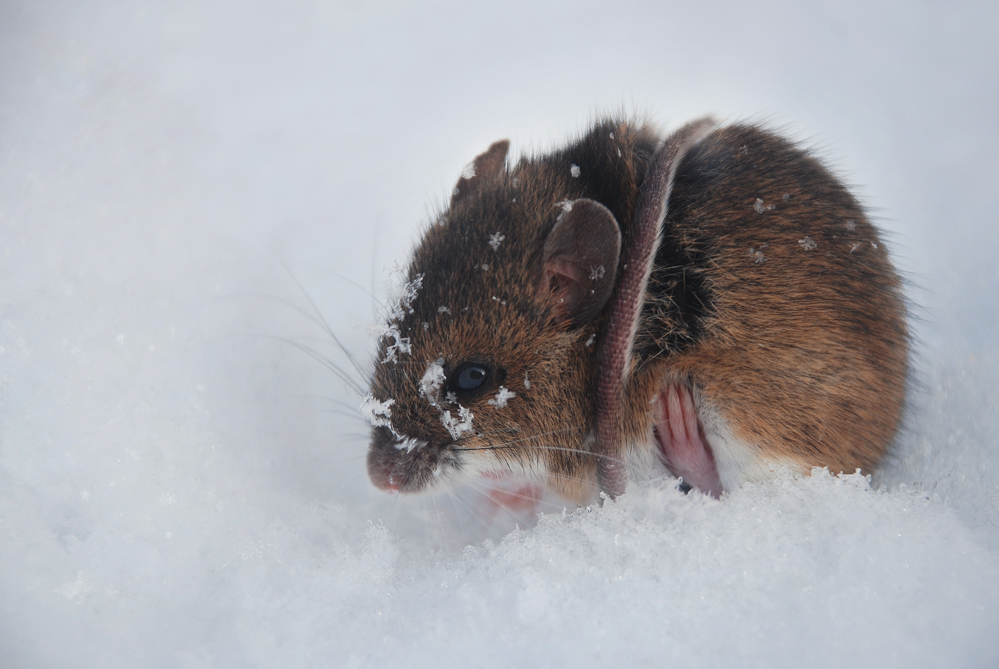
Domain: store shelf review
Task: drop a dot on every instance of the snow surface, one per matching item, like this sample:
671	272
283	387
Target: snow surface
191	192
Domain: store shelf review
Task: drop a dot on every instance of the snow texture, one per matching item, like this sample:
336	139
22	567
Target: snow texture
194	196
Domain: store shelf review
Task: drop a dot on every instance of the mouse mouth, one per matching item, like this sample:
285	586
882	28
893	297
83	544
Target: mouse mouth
682	443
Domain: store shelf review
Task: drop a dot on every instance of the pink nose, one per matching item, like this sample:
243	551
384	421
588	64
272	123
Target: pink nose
383	480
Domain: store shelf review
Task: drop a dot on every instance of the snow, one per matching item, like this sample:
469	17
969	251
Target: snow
458	424
192	193
375	413
503	395
432	380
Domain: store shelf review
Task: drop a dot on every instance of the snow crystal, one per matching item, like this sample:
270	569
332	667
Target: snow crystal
856	245
574	171
495	240
377	414
468	172
592	340
851	224
400	299
399	304
757	255
565	204
457	425
399	344
527	381
432	380
807	243
597	273
502	397
443	310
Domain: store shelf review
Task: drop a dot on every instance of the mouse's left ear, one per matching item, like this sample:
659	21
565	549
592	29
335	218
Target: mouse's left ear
580	261
485	166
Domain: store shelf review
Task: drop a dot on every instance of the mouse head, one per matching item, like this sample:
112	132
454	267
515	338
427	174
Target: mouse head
488	360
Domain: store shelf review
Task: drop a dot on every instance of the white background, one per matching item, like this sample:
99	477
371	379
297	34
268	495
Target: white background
182	486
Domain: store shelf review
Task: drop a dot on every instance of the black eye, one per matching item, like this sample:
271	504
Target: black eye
470	377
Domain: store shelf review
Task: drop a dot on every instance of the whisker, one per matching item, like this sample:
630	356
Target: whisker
350	281
340	373
286	302
440	522
342	412
325	325
537	435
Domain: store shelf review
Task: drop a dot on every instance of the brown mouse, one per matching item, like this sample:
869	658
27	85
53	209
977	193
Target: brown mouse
714	304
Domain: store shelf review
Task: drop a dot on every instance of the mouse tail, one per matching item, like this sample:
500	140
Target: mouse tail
626	305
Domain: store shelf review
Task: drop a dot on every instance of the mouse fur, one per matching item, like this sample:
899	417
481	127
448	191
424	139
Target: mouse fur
771	299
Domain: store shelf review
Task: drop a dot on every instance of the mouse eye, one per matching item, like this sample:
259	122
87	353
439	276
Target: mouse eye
470	377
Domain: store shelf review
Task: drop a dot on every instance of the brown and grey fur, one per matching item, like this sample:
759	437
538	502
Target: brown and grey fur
771	295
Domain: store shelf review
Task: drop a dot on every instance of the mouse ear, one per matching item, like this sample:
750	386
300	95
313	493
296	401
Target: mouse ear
485	166
580	261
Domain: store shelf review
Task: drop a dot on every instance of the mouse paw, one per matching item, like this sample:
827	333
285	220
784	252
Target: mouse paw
682	442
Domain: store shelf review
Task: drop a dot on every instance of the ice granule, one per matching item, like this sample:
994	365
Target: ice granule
468	171
574	171
759	207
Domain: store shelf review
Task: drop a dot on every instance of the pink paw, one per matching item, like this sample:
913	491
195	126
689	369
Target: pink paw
682	442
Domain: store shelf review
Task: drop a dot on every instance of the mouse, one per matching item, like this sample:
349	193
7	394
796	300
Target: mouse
711	304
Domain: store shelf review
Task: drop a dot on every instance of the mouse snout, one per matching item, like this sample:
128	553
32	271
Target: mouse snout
405	464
